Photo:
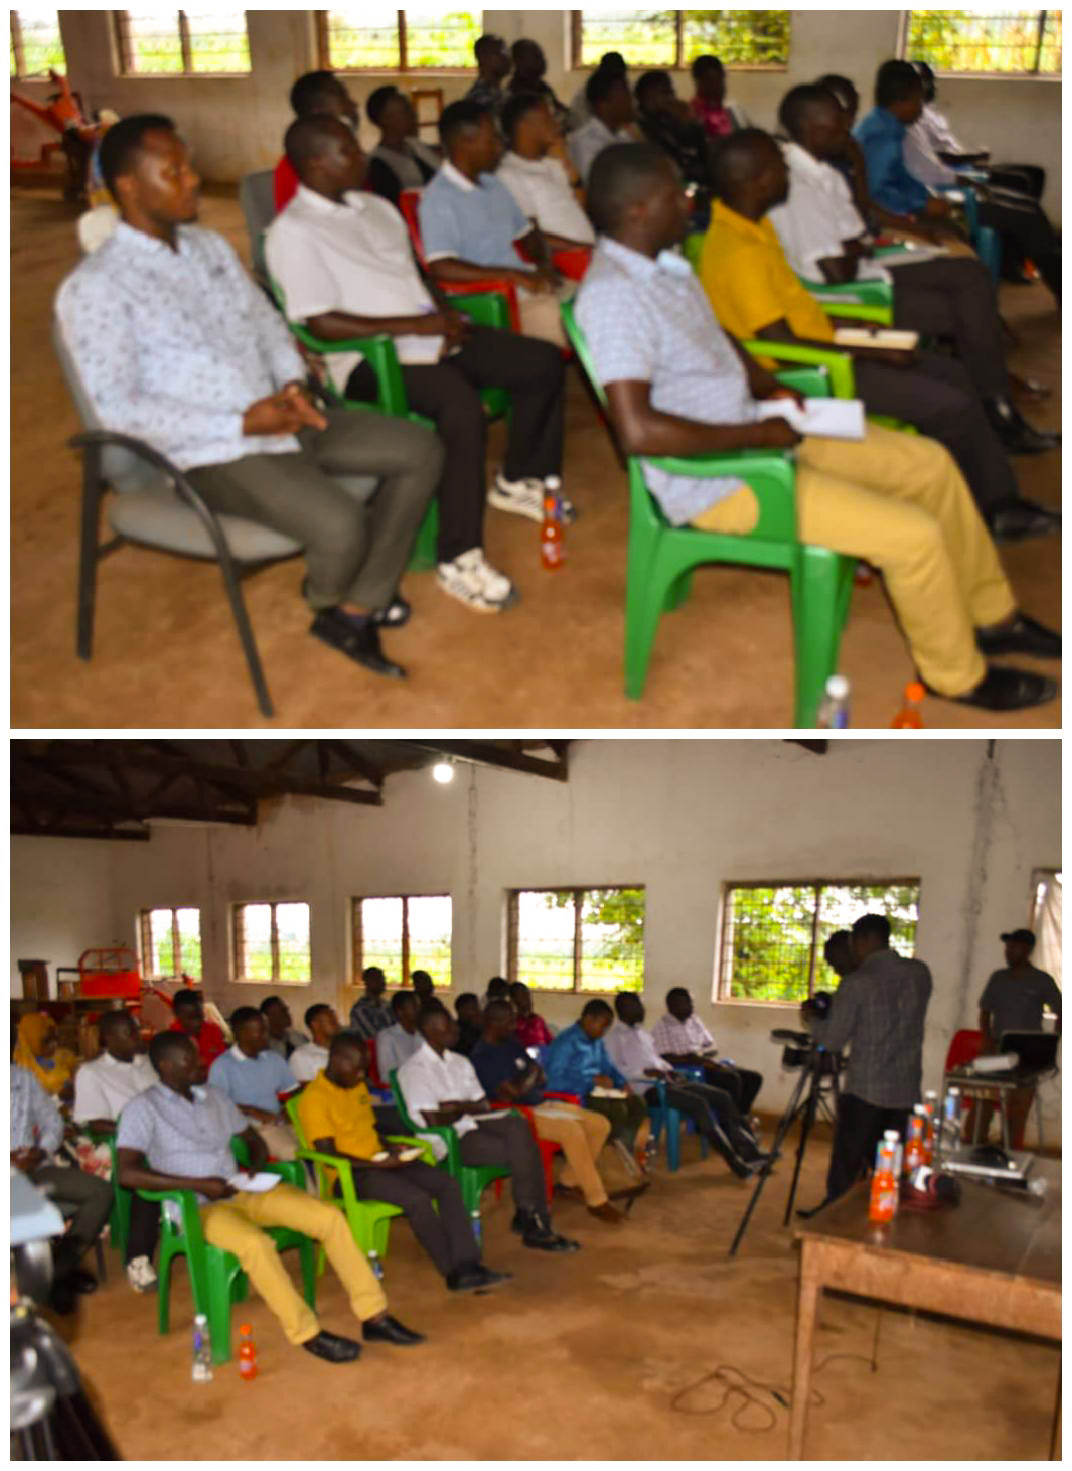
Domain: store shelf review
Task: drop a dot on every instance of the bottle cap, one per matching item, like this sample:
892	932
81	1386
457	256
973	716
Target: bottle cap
918	1108
245	1328
837	687
915	692
930	1093
199	1318
954	1092
893	1135
552	483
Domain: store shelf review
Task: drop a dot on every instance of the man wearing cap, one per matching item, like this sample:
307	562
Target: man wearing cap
1013	1001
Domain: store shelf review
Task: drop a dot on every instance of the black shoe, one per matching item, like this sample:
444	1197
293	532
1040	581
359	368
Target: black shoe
80	1282
1007	689
358	641
806	1215
1021	522
333	1347
62	1298
395	615
543	1240
1016	434
630	1192
1022	636
475	1279
386	1329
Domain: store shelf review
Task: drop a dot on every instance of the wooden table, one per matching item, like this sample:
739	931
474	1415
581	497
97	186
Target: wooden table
989	1259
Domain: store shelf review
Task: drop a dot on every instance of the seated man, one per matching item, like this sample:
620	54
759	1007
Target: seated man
370	1013
337	1118
400	160
402	1039
207	1037
680	1037
282	1036
754	293
470	224
493	67
177	1136
933	126
612	63
678	384
102	1089
712	1110
343	261
578	1062
470	1022
36	1135
668	124
311	1058
719	117
442	1090
538	182
508	1075
253	1076
531	1030
611	117
529	75
497	989
825	239
423	986
174	344
316	94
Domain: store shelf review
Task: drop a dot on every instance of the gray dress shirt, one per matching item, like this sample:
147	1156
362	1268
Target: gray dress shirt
880	1008
35	1116
183	1137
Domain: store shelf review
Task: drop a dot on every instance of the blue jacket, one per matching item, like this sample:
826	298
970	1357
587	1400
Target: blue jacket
881	136
575	1061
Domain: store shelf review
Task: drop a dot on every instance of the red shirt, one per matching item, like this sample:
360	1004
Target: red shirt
533	1031
718	122
210	1041
286	183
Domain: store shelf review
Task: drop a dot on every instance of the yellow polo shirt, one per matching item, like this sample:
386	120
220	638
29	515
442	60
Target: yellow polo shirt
749	282
343	1114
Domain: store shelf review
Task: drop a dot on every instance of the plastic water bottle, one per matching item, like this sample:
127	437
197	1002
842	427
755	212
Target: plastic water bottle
951	1124
552	534
247	1354
478	1229
376	1265
201	1368
834	706
909	716
883	1204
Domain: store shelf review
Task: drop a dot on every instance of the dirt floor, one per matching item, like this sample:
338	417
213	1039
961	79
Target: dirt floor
607	1354
166	652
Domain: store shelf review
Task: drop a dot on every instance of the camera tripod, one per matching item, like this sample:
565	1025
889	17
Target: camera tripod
816	1091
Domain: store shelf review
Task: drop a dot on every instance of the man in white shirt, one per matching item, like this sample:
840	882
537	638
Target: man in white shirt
102	1089
610	104
441	1089
538	181
311	1058
395	1044
174	344
681	1037
580	112
712	1110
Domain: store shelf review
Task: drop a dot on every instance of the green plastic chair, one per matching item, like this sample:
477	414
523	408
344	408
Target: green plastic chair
119	1219
216	1276
662	558
369	1220
868	301
473	1179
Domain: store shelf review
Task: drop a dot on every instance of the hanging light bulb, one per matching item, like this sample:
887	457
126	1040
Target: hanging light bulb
443	772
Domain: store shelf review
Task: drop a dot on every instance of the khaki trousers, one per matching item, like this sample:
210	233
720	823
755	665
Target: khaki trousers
898	501
279	1139
539	313
582	1137
235	1226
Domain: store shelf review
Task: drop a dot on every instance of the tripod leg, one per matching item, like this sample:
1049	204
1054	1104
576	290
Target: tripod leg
783	1128
805	1130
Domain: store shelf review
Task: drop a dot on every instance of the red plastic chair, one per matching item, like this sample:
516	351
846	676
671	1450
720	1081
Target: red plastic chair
965	1046
407	203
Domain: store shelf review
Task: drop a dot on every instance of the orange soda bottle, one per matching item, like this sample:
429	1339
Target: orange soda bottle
915	1146
247	1354
883	1204
552	536
930	1108
909	716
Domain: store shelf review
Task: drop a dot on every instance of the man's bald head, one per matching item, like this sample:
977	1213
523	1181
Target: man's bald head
309	139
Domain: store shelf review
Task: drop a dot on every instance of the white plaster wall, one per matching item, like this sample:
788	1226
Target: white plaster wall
236	123
681	817
61	903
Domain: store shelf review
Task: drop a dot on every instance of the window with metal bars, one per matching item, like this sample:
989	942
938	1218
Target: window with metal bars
371	38
402	933
170	944
583	940
674	38
773	933
36	45
271	943
985	42
182	42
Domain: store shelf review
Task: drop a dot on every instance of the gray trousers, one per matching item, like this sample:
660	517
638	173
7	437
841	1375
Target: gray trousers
955	298
509	1141
355	550
91	1199
446	1234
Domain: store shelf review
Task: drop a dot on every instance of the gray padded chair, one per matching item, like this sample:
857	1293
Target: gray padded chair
156	506
256	194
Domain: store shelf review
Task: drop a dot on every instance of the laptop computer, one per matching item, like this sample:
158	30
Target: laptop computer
1037	1051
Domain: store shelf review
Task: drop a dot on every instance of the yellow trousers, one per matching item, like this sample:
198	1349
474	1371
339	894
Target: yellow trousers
582	1136
235	1225
899	501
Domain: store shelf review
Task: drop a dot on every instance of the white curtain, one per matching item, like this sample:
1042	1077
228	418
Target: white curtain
1047	924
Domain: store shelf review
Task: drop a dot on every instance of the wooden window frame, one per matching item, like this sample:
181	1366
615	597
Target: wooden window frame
19	48
357	939
679	64
722	982
1034	73
323	45
237	922
145	935
124	50
578	893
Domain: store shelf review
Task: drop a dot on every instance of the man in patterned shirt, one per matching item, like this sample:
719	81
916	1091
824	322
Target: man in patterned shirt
370	1013
678	384
174	344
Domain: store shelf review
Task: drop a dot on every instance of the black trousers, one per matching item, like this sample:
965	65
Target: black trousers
144	1232
433	1205
955	298
1022	221
449	392
88	1201
714	1114
939	398
740	1083
1021	178
509	1141
860	1126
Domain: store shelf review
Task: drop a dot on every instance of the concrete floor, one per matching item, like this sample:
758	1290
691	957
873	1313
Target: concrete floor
167	655
602	1355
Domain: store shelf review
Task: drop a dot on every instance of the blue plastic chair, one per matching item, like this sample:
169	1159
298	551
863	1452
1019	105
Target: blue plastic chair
664	1116
985	240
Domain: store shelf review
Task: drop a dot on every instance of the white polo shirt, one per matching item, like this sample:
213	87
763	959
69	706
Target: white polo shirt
103	1087
428	1080
305	1062
818	217
354	256
542	190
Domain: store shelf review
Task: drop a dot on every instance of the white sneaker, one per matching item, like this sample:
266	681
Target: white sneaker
140	1274
525	498
476	584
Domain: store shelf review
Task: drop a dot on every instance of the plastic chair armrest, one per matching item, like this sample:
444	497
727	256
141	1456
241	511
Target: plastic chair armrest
863	311
480	288
838	364
564	1097
486	308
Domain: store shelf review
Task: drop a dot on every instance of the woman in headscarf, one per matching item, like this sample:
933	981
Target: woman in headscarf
37	1052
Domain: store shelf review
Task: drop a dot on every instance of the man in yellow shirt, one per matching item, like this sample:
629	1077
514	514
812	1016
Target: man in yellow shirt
337	1118
755	293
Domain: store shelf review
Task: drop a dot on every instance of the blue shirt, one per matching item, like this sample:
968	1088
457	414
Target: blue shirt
575	1061
477	222
252	1081
881	136
496	1063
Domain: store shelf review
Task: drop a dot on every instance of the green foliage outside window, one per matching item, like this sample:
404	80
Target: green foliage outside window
655	38
601	951
38	35
370	39
1011	41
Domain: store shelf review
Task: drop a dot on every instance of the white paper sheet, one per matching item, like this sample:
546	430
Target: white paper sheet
825	418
